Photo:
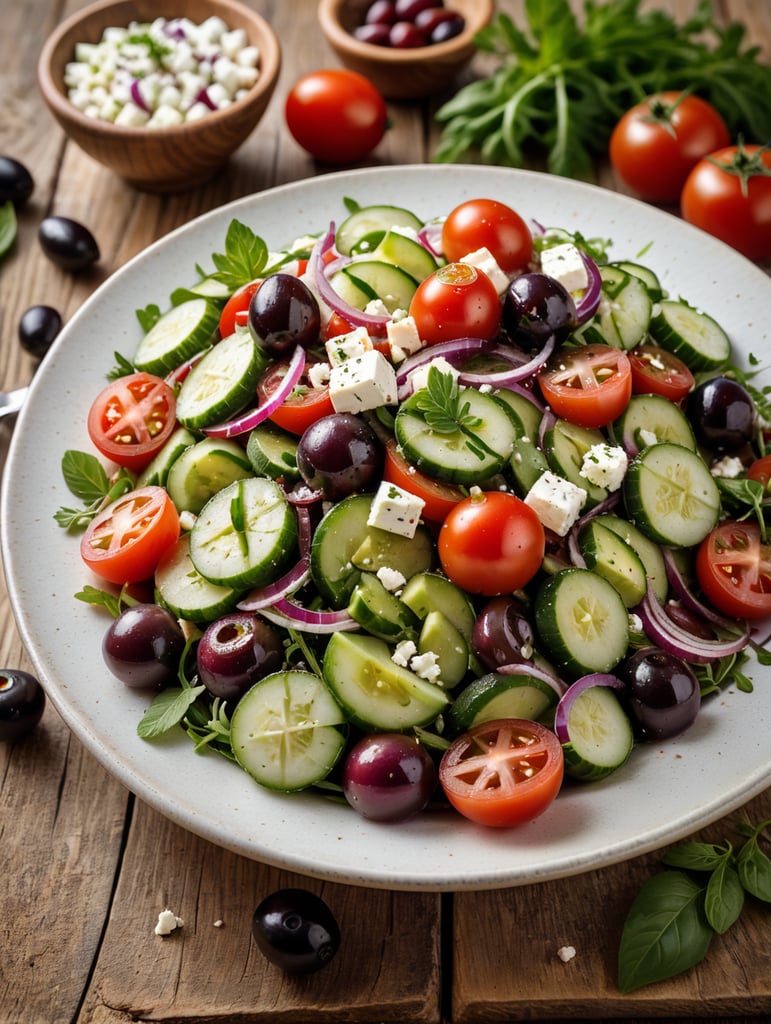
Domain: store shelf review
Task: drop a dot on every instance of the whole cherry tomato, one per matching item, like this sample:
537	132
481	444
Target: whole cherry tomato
456	301
486	223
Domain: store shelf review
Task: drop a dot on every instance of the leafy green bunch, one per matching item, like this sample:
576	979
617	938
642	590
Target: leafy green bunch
562	83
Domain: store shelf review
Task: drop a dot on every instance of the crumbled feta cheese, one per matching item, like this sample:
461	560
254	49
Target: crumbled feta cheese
566	953
376	307
346	346
635	623
391	579
605	465
168	922
426	665
564	264
395	510
484	260
403	337
729	467
318	374
648	437
403	651
362	382
556	502
418	378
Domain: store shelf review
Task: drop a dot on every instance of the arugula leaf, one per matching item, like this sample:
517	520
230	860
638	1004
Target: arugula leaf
8	226
244	257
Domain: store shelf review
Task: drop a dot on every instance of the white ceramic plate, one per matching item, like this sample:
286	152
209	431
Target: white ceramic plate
664	792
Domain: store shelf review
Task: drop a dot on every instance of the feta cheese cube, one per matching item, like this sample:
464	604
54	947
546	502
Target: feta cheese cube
484	260
391	579
362	382
605	465
418	378
403	337
395	510
563	263
556	501
346	346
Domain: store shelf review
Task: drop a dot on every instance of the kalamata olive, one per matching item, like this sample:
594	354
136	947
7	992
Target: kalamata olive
67	243
380	12
338	455
722	414
404	36
22	701
235	652
142	647
662	691
447	30
503	634
388	777
38	327
16	184
283	313
296	930
536	306
408	10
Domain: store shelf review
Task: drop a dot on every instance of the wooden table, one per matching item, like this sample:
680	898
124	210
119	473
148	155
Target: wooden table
86	867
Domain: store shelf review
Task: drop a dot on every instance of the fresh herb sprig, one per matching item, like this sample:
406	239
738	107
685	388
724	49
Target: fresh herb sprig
244	258
674	917
561	83
87	479
443	411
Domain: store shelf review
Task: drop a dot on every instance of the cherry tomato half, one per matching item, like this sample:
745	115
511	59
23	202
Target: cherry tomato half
440	498
658	372
588	386
491	543
658	141
132	418
456	301
337	115
124	542
503	773
304	406
733	566
486	223
235	310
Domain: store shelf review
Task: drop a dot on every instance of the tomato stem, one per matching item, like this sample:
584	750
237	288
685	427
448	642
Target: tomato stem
744	165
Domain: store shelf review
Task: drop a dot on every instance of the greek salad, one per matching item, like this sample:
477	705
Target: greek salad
425	512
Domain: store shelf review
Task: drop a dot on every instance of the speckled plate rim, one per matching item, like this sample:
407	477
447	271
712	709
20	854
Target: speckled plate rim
663	793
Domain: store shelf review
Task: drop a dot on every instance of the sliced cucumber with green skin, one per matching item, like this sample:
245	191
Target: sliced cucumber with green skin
211	288
158	471
380	612
245	535
273	452
594	729
609	555
582	622
203	469
222	383
624	313
494	696
439	635
527	411
287	731
371	219
671	495
177	335
381	549
648	552
526	465
397	248
389	283
355	293
565	445
691	335
645	274
466	455
656	415
428	591
185	592
375	692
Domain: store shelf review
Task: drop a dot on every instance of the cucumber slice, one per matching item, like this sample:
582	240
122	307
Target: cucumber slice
693	336
375	692
273	452
494	696
177	335
397	248
391	284
468	455
370	219
671	495
658	416
624	313
600	733
381	549
526	411
565	445
648	552
609	555
244	535
582	622
211	288
527	465
439	635
185	592
222	383
158	471
380	612
428	591
355	293
645	274
288	731
202	470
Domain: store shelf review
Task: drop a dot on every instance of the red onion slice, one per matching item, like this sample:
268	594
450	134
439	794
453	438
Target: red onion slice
288	613
264	597
317	271
671	637
518	373
137	97
526	668
430	237
688	598
456	352
587	682
587	305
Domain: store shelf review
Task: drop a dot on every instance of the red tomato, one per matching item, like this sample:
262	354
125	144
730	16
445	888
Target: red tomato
456	301
236	308
124	542
656	143
336	326
487	223
491	543
733	566
503	773
760	470
589	386
304	406
132	418
657	372
728	194
337	115
440	498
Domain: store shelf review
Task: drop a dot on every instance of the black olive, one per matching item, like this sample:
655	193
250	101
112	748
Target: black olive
296	930
68	244
22	701
38	327
16	182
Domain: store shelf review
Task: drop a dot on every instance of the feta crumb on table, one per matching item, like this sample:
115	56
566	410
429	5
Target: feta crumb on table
168	922
566	953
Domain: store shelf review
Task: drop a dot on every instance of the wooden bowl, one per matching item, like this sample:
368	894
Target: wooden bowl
409	73
161	159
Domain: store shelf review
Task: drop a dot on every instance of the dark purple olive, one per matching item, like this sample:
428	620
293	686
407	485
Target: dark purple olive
448	29
722	414
404	36
16	184
428	19
22	701
535	307
388	777
338	455
38	327
142	647
296	931
67	243
235	652
503	634
408	10
662	691
689	620
375	34
283	313
380	12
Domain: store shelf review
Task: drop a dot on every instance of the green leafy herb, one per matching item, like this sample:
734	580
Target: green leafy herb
562	82
104	599
207	724
440	404
123	367
244	257
86	479
149	316
167	710
155	49
742	498
8	226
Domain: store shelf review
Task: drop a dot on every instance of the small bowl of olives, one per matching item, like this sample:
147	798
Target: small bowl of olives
408	49
136	60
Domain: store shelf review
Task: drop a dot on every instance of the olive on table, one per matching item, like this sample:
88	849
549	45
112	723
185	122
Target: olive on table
22	701
338	455
296	930
16	184
388	777
142	647
722	413
283	313
662	691
38	327
235	652
535	307
67	243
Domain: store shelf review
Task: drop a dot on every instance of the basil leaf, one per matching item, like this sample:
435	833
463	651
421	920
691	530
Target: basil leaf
167	710
244	257
8	226
724	897
754	870
695	856
84	475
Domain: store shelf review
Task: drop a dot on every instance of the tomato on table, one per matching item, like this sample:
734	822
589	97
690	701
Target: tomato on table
503	773
124	542
487	223
440	498
234	312
456	301
658	372
657	142
132	418
589	386
491	543
305	404
733	566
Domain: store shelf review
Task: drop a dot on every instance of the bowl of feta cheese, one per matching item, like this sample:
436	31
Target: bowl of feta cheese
161	92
